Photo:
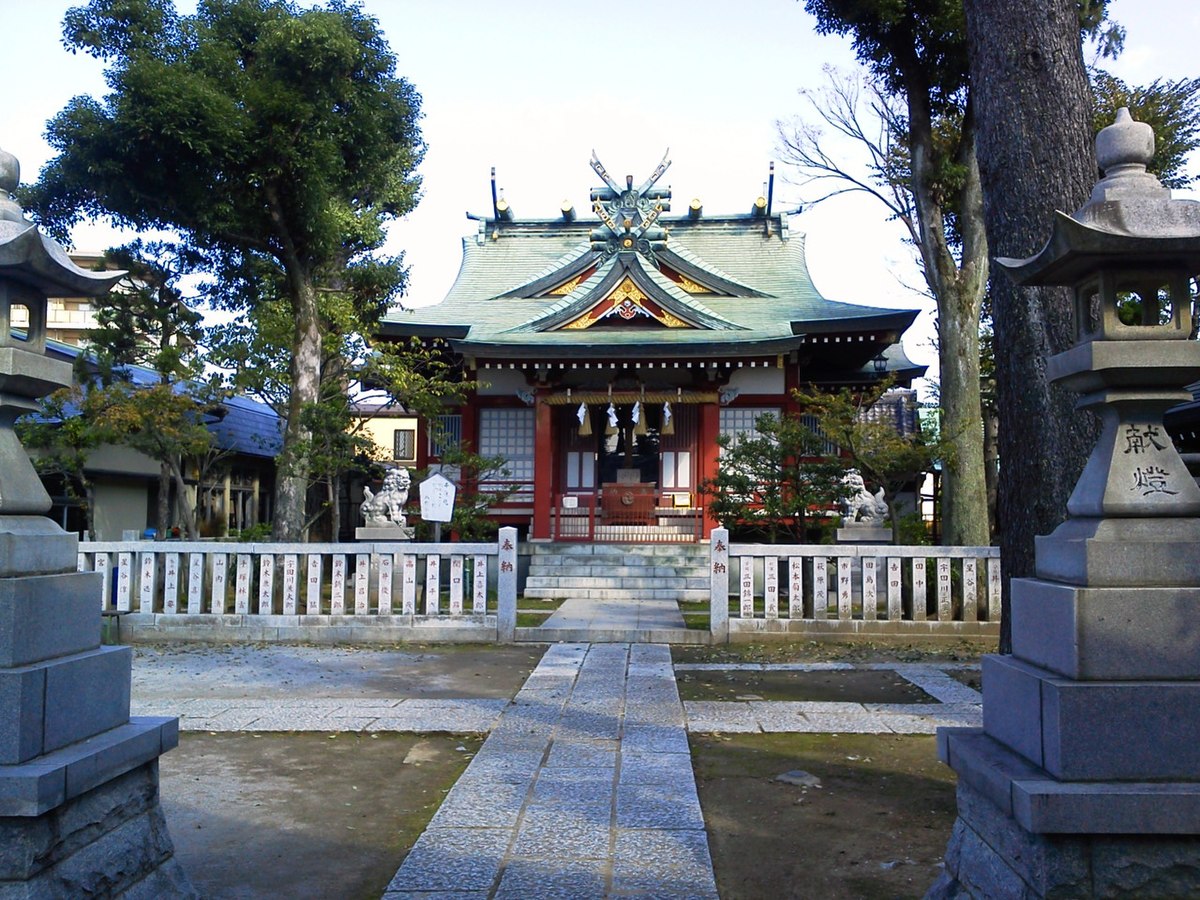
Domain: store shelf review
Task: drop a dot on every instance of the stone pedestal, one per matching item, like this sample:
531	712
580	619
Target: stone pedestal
79	812
384	534
864	533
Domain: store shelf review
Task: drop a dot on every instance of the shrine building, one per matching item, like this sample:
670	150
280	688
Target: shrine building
612	351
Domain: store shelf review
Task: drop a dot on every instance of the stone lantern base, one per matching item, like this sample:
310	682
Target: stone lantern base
110	841
79	808
992	854
1085	778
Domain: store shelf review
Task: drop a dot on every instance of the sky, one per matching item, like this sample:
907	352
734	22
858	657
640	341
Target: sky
532	87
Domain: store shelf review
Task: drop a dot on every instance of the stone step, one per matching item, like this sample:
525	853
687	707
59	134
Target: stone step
568	570
680	595
624	559
569	583
692	551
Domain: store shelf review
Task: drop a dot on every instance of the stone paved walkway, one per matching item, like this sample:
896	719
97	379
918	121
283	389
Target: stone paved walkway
584	789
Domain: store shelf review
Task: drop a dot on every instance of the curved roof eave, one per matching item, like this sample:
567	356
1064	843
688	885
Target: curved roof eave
642	349
879	319
28	256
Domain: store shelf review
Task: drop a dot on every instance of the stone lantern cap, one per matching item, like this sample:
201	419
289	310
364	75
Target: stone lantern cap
1130	220
34	260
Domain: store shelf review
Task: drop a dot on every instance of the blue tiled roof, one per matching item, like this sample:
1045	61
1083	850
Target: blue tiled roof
247	426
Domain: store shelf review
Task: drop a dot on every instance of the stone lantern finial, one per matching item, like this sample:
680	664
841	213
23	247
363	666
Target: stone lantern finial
1126	142
10	177
1124	150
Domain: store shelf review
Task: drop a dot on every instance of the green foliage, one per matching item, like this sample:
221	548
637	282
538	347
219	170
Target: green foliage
907	44
253	126
883	456
62	440
776	484
913	531
258	532
162	410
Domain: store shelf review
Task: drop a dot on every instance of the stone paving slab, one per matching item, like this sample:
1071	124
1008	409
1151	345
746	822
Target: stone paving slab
613	782
466	716
958	704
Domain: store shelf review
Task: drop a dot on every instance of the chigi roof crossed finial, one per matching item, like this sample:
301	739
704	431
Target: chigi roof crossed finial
629	215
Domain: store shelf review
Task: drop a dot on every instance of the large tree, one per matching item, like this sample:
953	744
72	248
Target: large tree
273	138
1034	114
924	170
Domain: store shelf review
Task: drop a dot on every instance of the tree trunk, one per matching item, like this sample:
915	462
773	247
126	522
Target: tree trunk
1034	142
991	460
894	517
162	512
187	511
291	481
89	507
964	490
958	286
335	508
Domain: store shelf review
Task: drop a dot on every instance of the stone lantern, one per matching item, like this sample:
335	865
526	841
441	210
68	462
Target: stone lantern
79	810
1085	778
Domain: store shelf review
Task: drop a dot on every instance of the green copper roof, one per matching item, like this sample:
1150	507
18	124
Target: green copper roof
753	252
725	285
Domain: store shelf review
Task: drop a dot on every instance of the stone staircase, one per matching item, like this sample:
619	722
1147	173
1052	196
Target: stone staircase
618	571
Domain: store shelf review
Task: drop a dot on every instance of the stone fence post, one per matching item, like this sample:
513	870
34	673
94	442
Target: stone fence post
506	586
718	604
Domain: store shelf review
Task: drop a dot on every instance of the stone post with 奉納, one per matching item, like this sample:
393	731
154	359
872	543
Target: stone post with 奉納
79	809
1085	778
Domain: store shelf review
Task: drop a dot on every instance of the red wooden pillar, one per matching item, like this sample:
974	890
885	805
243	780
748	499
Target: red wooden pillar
708	451
470	423
543	466
791	381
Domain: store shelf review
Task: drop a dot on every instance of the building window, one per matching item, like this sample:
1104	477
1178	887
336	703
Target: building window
509	433
581	471
445	433
739	421
813	424
676	469
404	445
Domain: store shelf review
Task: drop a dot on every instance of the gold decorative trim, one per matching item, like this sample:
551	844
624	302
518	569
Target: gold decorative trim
592	398
563	289
691	287
627	290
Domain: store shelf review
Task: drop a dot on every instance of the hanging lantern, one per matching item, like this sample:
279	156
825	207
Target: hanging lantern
668	425
585	420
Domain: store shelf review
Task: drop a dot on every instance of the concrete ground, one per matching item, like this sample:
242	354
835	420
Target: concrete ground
311	771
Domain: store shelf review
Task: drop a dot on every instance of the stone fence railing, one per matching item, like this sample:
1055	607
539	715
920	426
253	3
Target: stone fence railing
847	589
457	591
